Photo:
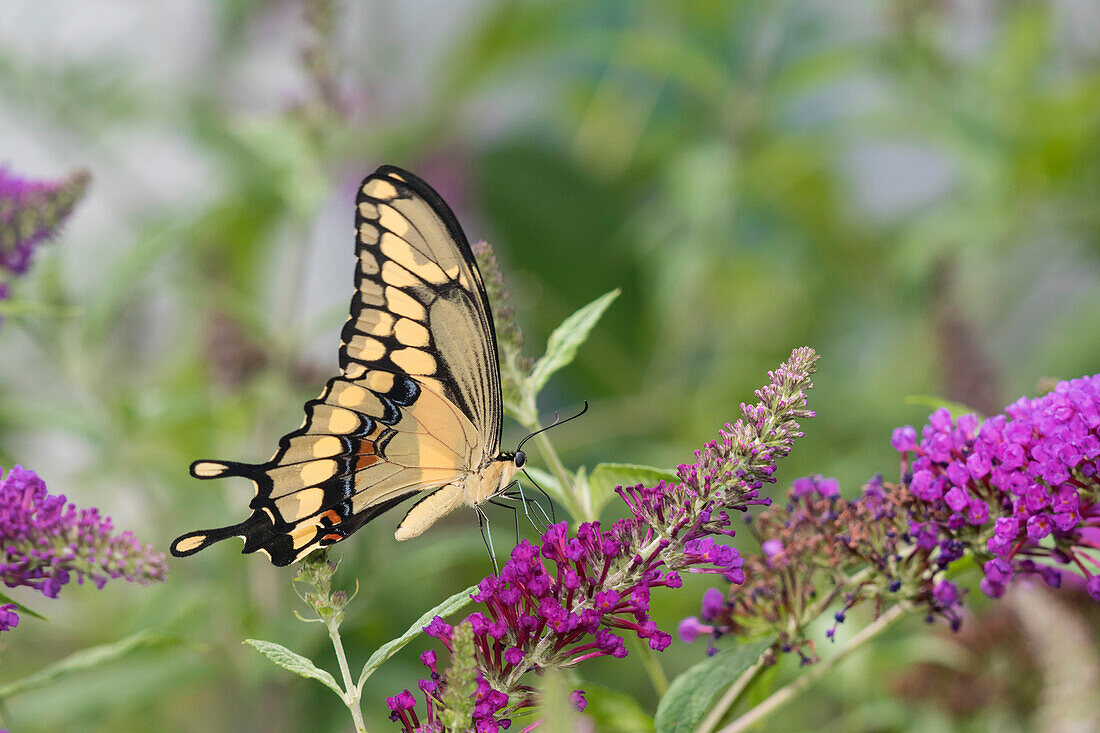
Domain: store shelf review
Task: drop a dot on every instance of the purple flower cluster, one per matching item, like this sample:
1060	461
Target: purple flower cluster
9	619
32	211
487	701
45	542
820	549
1019	490
572	598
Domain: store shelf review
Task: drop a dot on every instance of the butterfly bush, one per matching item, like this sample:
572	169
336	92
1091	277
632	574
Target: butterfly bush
46	542
1018	493
576	596
31	212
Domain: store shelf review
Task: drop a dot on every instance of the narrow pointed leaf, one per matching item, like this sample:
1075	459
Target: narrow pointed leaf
561	347
85	659
296	663
5	599
387	650
606	477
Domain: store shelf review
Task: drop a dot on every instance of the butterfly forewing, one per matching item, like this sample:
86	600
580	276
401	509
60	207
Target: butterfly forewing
417	405
420	306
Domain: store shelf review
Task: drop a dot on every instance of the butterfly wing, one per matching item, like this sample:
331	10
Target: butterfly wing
417	405
420	306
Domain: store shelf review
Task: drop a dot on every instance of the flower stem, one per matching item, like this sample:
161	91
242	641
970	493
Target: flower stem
782	696
652	666
351	692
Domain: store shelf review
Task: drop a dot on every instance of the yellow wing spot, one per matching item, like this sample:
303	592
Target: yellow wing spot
315	472
414	361
208	469
379	189
396	275
355	370
365	348
411	333
393	220
368	263
351	396
368	210
300	503
327	446
380	381
403	253
372	293
190	543
368	233
398	177
374	321
404	304
342	422
302	534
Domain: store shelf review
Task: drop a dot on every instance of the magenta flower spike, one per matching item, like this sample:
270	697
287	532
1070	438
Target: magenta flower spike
45	543
575	597
32	212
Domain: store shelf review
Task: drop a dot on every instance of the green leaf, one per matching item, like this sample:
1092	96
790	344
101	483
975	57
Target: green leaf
561	347
387	650
28	307
5	599
689	697
615	712
934	403
296	663
91	658
606	476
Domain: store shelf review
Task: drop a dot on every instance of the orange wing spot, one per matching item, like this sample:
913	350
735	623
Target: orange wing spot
332	516
366	460
332	538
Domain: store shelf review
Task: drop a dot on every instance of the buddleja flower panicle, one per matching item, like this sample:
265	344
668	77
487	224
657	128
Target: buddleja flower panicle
46	542
573	597
1020	490
1019	493
514	366
32	211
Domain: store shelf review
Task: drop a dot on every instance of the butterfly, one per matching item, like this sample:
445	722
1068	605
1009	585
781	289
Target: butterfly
416	408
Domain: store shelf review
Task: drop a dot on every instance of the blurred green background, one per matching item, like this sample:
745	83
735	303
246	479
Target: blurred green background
909	187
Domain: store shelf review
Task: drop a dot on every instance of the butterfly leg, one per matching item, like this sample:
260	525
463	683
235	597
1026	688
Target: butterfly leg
522	498
553	517
487	536
515	514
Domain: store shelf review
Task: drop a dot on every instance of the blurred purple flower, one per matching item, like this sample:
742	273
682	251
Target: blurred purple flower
9	619
45	543
32	211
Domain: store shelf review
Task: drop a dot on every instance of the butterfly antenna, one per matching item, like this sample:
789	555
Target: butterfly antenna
557	421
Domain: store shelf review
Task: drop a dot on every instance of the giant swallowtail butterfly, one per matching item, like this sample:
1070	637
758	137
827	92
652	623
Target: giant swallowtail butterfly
416	408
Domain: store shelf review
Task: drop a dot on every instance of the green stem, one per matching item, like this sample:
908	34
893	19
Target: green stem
561	473
351	692
782	696
652	666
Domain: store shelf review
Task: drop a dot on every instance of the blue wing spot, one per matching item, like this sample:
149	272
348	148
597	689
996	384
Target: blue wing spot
404	391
